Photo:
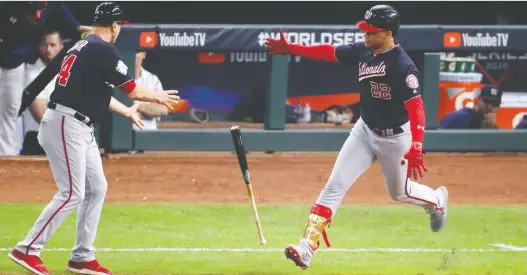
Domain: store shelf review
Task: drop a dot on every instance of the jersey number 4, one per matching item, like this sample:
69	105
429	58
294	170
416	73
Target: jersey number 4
380	90
64	73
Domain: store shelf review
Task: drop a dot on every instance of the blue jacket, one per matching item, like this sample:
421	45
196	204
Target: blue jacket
466	118
21	29
522	125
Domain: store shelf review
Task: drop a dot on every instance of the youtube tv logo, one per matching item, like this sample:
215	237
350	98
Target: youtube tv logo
148	39
452	40
476	40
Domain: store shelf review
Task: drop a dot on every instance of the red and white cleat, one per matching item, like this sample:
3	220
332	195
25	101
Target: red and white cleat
301	254
88	268
30	262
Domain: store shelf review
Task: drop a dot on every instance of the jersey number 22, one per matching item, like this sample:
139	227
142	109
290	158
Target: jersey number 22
64	73
380	90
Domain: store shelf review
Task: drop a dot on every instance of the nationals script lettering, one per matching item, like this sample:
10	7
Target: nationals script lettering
366	71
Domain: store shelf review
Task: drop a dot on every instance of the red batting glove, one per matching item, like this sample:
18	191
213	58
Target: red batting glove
415	160
278	46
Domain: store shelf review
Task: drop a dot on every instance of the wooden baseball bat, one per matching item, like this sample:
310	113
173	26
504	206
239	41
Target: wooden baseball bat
242	161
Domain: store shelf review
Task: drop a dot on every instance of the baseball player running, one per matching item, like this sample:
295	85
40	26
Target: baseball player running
82	95
390	128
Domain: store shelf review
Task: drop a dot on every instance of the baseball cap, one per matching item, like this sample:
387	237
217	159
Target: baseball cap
491	95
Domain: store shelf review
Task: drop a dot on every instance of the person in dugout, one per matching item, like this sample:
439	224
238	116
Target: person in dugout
482	116
150	111
21	26
522	124
50	45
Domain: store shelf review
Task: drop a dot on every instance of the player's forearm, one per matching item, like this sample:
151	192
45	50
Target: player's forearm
317	52
152	109
416	114
117	107
141	94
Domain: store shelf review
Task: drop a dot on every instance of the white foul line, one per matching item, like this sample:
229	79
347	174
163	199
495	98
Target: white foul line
351	250
510	247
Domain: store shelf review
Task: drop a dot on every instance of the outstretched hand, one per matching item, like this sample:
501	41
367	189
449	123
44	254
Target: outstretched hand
415	161
278	46
167	98
134	116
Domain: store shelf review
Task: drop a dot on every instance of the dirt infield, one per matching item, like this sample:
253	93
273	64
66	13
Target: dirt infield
277	178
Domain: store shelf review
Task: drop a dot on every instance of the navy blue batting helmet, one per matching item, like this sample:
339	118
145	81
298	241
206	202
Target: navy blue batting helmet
107	13
380	18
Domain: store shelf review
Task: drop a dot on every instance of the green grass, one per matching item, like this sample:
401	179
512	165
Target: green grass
232	226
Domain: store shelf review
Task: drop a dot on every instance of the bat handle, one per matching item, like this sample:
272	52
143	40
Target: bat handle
261	237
